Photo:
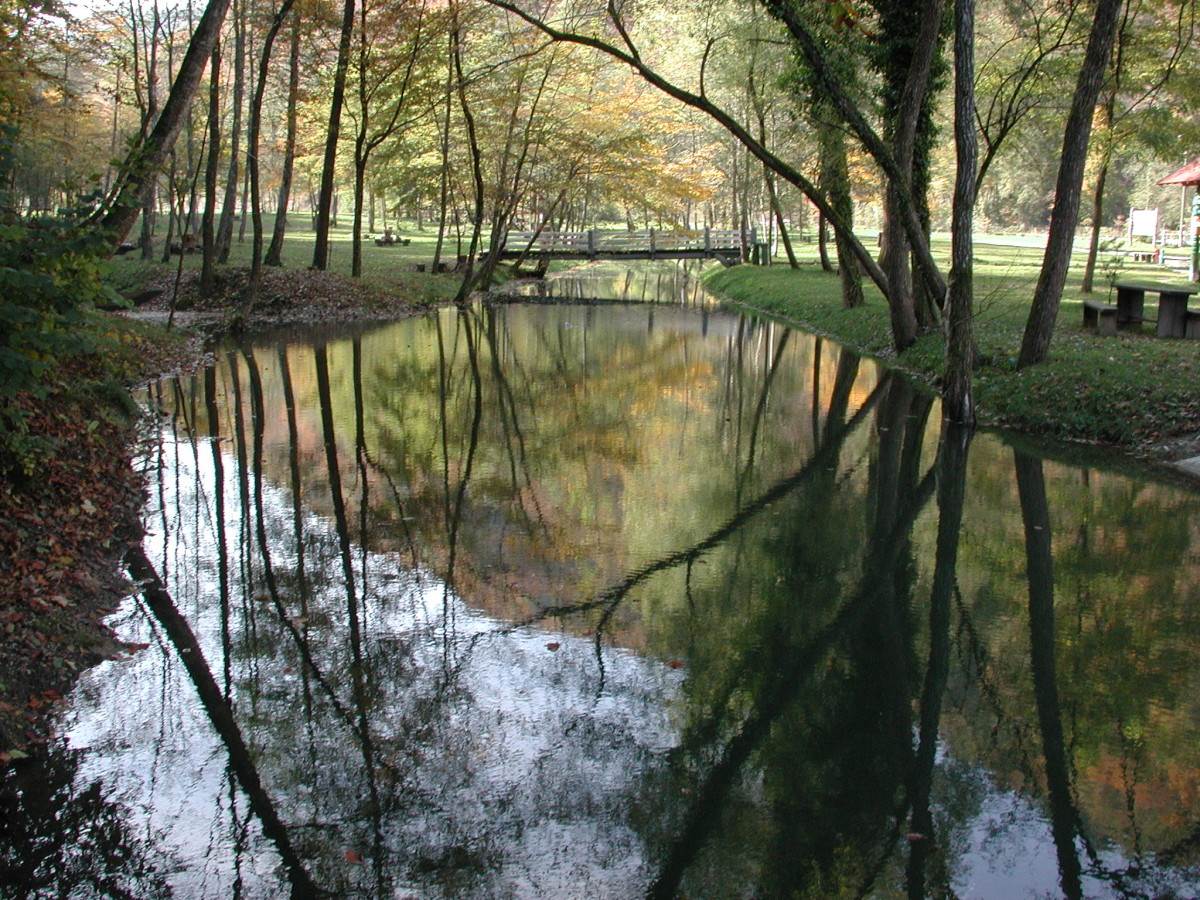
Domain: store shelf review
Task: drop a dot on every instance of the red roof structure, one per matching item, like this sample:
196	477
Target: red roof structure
1188	176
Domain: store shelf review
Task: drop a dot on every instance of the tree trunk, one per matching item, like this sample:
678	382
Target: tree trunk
149	198
252	168
112	144
1039	328
835	181
208	232
147	156
360	179
783	233
958	403
190	225
476	169
172	213
437	248
275	251
1089	271
823	242
897	244
768	179
229	206
174	196
246	176
325	199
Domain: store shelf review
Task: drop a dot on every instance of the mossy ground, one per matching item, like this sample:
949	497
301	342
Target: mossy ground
1134	390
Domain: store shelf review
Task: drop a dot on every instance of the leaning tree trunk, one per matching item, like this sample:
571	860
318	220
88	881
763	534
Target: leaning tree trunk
275	251
958	402
325	199
147	156
1039	328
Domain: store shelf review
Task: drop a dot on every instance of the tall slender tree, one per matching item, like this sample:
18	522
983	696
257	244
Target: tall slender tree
325	198
274	255
229	204
958	399
208	232
1039	328
252	165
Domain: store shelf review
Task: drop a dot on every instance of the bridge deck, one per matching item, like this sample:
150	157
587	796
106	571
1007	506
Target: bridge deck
725	245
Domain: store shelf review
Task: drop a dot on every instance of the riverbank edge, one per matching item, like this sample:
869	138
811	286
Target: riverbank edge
64	534
65	528
1175	456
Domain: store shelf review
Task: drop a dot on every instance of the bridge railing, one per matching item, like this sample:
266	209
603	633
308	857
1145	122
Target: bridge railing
601	242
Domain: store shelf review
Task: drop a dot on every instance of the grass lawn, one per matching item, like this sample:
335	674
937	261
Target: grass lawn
1134	390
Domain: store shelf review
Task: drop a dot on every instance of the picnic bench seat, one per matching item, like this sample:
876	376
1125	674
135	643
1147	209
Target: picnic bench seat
1136	254
1100	316
392	242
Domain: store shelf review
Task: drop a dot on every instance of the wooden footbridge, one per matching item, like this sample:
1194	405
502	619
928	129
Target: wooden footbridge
723	245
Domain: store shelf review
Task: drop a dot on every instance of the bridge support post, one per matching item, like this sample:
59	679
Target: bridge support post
707	240
652	247
591	241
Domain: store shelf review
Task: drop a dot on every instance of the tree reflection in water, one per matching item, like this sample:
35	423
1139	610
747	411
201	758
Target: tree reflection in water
567	600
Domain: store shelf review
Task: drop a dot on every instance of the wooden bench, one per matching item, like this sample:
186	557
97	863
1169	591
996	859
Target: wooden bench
1172	306
1137	254
392	242
1100	316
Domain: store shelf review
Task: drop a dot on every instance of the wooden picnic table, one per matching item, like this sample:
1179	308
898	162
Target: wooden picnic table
1172	306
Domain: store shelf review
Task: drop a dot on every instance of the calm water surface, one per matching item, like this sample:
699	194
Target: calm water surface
607	601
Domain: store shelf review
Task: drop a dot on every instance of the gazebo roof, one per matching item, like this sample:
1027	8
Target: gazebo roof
1188	175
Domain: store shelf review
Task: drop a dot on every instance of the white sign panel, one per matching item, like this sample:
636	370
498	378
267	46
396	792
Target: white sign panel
1143	223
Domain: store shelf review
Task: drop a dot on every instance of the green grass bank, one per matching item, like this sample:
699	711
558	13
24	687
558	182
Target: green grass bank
1134	391
389	273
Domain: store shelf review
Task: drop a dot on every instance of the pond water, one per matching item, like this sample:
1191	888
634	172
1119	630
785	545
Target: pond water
588	600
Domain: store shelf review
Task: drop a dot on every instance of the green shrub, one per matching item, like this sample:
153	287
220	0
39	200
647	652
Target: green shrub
51	271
